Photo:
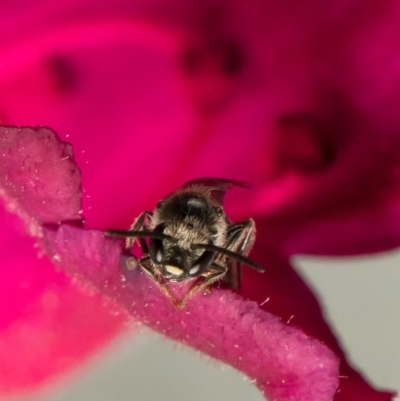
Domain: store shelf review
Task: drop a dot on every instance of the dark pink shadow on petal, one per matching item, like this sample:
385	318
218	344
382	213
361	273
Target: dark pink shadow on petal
49	324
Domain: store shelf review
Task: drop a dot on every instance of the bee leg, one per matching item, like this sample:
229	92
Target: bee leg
149	271
234	275
217	267
241	237
138	225
217	274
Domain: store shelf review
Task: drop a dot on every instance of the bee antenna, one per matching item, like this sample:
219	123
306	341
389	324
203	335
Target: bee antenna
240	258
138	234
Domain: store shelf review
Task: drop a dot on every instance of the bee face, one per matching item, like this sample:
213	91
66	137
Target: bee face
189	217
179	264
191	238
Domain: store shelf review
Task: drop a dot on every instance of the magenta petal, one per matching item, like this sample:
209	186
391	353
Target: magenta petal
38	175
44	329
290	298
48	326
283	362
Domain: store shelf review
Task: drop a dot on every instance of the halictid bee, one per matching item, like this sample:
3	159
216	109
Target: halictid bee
189	237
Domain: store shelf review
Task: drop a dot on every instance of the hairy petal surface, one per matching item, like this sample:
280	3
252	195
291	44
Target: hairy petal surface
38	174
283	292
284	362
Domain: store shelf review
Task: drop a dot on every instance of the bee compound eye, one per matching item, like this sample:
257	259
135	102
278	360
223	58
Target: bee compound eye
195	269
156	248
202	263
159	256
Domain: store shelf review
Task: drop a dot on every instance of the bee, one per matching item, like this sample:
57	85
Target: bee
189	237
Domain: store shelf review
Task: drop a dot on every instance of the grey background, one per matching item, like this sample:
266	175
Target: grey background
361	299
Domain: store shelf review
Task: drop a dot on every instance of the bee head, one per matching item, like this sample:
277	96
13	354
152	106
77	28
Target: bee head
177	263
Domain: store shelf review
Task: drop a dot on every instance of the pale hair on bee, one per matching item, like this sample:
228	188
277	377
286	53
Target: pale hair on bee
189	237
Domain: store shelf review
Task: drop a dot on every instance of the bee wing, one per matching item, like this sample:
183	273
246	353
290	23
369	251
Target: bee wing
217	186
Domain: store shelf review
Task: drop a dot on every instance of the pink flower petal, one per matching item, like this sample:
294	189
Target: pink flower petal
48	324
38	175
44	331
284	363
282	292
125	91
332	211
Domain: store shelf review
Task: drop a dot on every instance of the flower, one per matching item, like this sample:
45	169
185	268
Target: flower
268	93
41	184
